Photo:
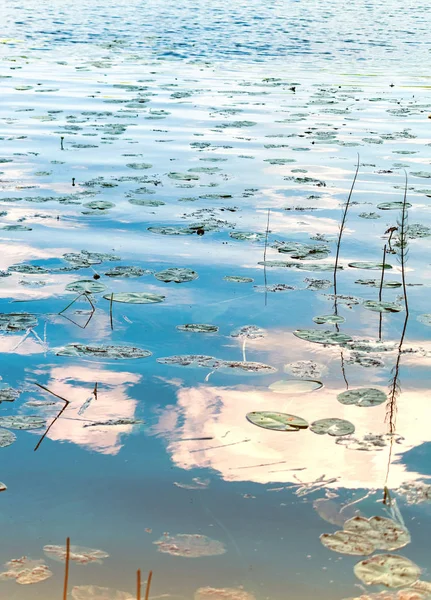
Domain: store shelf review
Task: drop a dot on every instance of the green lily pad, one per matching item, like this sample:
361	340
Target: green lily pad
6	438
87	286
123	271
241	367
171	230
183	176
417	231
96	205
144	202
363	397
390	570
198	328
114	352
17	321
295	386
334	427
331	319
425	319
139	166
393	205
251	332
28	269
134	298
376	283
176	275
276	421
191	360
382	307
248	236
346	542
369	265
319	336
22	422
384	533
238	279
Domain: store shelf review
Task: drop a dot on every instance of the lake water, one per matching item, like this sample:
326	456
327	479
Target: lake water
219	139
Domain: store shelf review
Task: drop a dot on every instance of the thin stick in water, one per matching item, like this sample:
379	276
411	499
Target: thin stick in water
66	404
138	584
147	589
264	256
66	569
110	310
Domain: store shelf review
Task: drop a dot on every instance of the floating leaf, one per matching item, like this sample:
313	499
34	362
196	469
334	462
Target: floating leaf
425	319
209	593
243	366
376	283
369	266
331	319
191	360
276	421
101	205
123	271
248	236
112	422
176	274
345	542
417	231
8	394
22	422
390	570
369	442
114	352
306	369
251	332
17	321
135	298
190	545
139	166
6	438
198	328
26	571
295	386
319	336
382	307
393	205
78	554
238	279
363	397
87	286
146	202
334	427
384	533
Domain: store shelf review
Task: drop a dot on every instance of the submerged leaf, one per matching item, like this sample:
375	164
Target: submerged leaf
17	321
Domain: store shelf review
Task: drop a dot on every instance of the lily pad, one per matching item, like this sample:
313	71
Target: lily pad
22	422
144	202
123	271
331	319
363	397
190	545
346	542
320	336
376	283
390	570
135	298
238	279
114	352
8	394
101	205
176	275
382	307
6	438
248	236
198	328
191	360
243	366
384	533
78	554
369	266
139	166
295	386
393	205
276	421
425	319
251	332
17	321
87	286
94	592
334	427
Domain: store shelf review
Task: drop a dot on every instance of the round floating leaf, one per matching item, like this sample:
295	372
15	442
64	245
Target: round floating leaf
17	321
135	298
320	336
176	274
139	166
390	570
241	366
334	427
276	421
331	319
171	230
198	328
305	369
417	230
376	283
88	286
393	205
385	533
251	332
191	360
114	352
144	202
190	545
345	542
78	554
248	236
369	443
6	438
94	592
425	319
370	266
295	386
95	205
363	397
238	279
123	271
382	307
8	394
22	422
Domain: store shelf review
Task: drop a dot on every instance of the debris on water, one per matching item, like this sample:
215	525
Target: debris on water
190	545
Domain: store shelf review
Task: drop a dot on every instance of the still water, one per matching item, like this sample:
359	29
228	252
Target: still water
170	164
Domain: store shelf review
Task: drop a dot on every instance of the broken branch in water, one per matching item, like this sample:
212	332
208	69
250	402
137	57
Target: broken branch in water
66	569
66	404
